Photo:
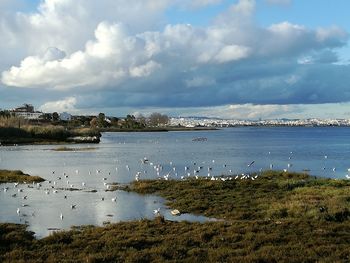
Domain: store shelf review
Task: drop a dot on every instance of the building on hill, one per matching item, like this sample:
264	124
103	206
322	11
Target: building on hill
26	111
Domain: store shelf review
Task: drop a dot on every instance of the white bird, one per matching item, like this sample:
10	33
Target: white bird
61	216
156	211
18	211
114	199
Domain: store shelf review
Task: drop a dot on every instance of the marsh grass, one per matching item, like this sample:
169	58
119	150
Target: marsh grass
70	149
276	218
42	133
7	176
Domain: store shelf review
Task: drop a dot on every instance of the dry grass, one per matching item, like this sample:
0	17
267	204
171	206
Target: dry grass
7	176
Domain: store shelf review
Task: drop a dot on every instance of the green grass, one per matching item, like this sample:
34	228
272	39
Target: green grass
7	176
274	195
280	217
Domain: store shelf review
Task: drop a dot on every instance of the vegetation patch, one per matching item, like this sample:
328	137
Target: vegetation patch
278	217
27	134
70	149
7	176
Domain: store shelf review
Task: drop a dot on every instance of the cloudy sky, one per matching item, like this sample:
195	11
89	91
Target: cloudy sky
233	59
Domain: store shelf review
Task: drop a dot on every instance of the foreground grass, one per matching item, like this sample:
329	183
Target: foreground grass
280	217
7	176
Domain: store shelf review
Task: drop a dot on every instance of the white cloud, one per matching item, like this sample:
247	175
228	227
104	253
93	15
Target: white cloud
144	70
119	49
66	105
232	53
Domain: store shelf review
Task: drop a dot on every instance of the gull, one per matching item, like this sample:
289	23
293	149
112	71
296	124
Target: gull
156	211
73	206
18	211
24	197
61	216
114	199
83	184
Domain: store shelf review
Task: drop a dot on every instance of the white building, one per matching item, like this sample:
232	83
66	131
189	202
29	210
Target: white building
65	116
27	112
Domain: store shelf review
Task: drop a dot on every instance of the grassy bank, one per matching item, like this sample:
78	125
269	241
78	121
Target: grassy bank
273	195
279	217
46	134
7	176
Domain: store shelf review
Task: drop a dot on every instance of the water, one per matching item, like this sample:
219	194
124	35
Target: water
118	159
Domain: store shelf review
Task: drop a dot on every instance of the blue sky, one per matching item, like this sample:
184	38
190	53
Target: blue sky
231	59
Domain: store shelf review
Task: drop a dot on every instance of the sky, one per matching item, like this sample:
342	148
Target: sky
238	59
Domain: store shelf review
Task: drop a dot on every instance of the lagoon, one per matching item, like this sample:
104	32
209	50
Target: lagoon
117	159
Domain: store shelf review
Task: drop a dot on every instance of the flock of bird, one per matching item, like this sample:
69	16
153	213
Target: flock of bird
65	182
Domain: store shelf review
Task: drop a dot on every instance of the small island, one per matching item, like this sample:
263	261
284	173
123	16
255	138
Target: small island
272	216
7	176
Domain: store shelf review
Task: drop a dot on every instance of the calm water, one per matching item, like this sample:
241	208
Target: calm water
323	151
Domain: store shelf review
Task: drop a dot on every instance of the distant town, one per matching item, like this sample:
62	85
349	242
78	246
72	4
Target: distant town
221	123
27	112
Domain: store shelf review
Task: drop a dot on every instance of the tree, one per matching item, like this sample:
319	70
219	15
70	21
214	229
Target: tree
55	117
93	122
157	119
101	120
